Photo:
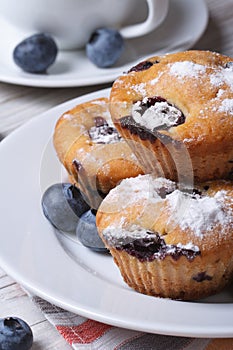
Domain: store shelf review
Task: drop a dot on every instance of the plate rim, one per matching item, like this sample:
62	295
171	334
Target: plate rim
95	312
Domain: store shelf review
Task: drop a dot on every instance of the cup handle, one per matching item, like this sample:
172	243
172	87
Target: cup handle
157	11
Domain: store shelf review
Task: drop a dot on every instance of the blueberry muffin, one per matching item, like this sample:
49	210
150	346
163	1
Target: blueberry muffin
93	153
176	112
167	241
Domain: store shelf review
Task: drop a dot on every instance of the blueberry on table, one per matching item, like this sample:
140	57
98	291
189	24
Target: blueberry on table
63	205
15	334
87	233
35	53
104	47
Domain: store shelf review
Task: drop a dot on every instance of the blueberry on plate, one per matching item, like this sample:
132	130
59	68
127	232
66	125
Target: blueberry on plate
104	47
87	233
15	334
35	53
75	199
63	205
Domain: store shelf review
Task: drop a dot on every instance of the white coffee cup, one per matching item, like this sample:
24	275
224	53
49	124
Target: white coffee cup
71	22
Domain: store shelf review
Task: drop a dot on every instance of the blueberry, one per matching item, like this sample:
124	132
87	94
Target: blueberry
104	47
87	233
15	334
63	205
229	65
35	53
75	199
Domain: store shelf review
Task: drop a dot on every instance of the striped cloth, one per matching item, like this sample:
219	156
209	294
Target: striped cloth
85	334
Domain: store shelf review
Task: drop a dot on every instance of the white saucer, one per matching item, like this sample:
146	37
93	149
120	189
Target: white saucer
184	25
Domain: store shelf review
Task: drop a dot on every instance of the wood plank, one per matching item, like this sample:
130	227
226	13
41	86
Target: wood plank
11	292
15	302
20	104
6	281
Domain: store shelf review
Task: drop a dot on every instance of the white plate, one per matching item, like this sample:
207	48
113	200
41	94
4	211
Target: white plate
183	26
67	274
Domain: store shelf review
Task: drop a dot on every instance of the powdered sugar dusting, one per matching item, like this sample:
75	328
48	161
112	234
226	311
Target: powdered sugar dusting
98	102
220	93
226	106
156	80
186	69
196	212
221	77
140	188
161	114
199	213
104	134
117	236
140	89
188	246
67	116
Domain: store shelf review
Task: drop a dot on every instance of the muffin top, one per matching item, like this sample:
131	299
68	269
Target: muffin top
90	120
199	219
187	96
87	135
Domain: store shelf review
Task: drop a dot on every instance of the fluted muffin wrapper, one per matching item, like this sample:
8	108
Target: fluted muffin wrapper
175	279
161	156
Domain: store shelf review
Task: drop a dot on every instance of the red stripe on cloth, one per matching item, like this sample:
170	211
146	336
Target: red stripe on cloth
84	333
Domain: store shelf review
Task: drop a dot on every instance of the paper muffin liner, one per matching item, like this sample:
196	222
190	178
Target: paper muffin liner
161	156
175	279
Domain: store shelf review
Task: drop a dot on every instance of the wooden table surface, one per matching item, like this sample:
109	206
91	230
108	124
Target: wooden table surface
19	104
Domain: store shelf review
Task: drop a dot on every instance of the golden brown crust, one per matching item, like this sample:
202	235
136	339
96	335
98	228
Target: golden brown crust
169	277
202	97
99	167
